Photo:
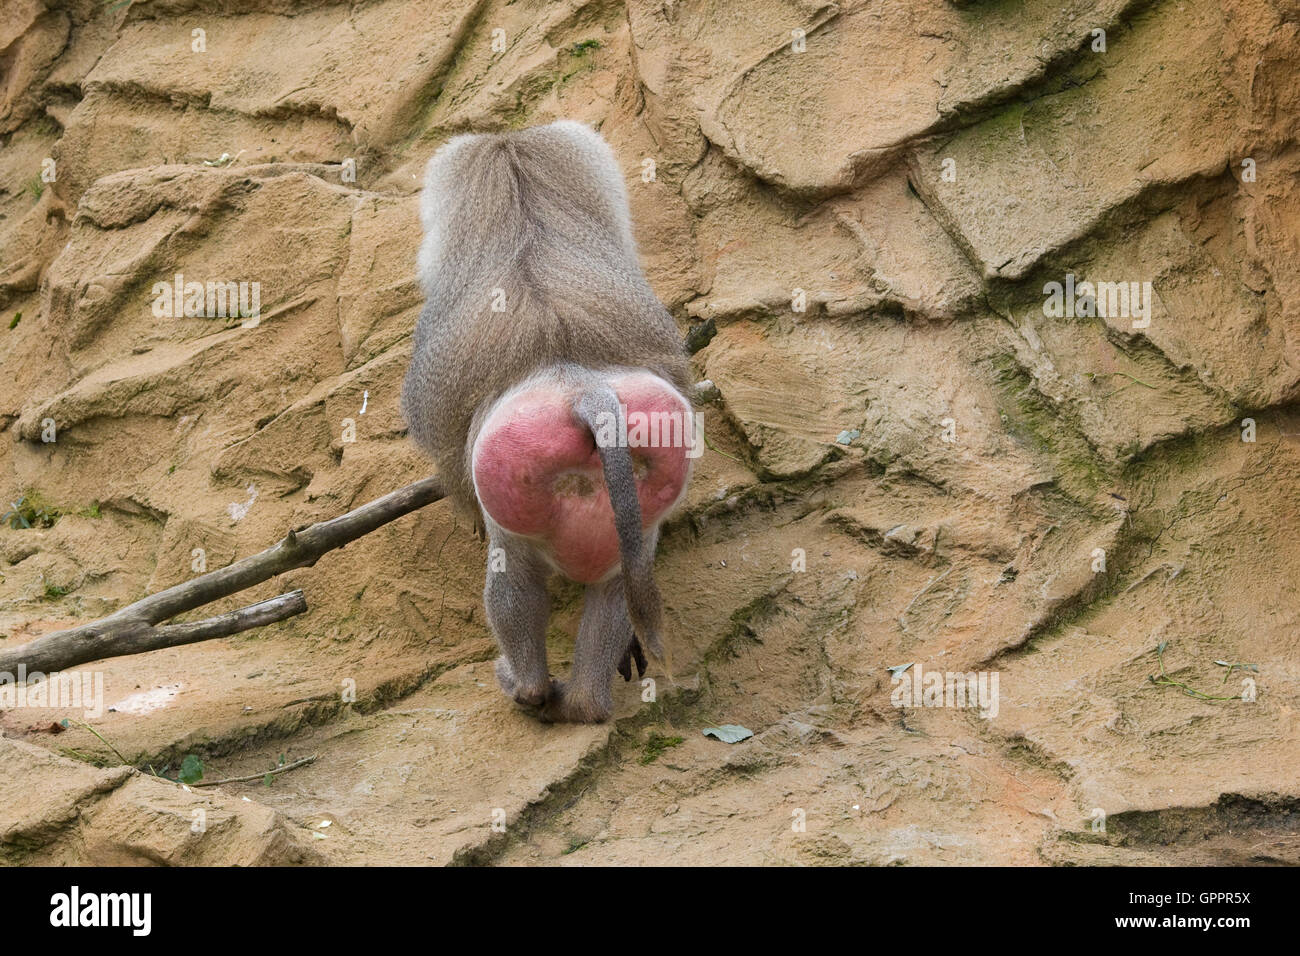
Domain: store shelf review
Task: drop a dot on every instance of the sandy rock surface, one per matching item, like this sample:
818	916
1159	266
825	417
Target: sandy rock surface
915	465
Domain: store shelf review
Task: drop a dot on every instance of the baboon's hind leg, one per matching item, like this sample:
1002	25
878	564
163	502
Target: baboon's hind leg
603	646
518	608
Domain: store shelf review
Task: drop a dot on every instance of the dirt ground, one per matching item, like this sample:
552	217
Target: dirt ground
912	462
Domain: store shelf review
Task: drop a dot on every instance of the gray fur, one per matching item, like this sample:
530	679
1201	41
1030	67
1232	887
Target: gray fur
540	214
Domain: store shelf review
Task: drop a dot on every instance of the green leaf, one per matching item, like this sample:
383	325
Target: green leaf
729	733
191	769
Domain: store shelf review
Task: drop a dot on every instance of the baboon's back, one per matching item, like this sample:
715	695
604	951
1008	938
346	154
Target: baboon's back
536	223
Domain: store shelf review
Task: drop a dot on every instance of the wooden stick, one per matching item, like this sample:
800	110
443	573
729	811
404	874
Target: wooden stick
136	638
136	628
256	776
132	630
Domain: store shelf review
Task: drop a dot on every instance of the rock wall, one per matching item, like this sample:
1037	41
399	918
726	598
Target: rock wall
914	460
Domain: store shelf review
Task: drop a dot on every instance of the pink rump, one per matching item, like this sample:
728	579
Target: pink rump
537	471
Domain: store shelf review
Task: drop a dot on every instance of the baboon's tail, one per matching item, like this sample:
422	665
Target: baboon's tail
598	408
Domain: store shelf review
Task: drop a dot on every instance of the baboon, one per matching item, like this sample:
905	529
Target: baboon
539	344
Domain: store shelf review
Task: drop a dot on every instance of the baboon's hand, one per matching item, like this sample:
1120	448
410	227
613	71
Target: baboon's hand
632	653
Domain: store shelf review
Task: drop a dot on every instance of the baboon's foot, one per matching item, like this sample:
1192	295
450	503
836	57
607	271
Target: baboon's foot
531	697
566	705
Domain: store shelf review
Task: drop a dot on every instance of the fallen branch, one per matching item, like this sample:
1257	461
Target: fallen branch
135	628
138	627
256	776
